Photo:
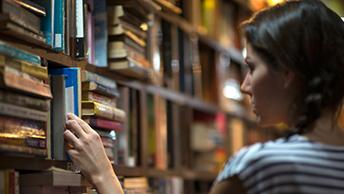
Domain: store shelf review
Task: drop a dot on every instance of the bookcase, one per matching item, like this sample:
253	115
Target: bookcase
157	67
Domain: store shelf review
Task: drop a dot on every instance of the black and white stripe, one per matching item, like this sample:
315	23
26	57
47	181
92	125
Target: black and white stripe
296	165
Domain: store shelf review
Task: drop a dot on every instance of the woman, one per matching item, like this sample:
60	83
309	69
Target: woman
295	57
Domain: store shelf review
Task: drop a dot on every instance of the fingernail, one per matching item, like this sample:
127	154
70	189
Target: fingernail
69	115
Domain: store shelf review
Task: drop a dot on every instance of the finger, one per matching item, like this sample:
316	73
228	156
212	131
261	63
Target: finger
73	154
81	122
74	126
72	139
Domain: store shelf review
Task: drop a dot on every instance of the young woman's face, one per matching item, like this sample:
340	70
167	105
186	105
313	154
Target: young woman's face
272	91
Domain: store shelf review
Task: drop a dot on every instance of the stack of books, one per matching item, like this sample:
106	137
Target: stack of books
66	91
24	103
22	18
128	42
52	181
132	185
99	95
9	181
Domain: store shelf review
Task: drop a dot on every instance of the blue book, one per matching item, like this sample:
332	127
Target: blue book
100	33
72	88
48	20
16	53
59	25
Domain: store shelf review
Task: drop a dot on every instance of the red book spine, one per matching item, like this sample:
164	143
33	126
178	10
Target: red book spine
104	124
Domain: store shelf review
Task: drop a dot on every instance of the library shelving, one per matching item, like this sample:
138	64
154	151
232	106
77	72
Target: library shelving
160	73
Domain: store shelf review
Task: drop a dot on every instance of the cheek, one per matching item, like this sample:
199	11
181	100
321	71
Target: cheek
261	85
268	98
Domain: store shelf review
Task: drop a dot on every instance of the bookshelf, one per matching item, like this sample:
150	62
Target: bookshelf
20	163
178	105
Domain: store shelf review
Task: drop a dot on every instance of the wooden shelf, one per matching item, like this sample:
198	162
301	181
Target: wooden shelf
233	53
174	96
30	163
150	172
38	164
63	60
188	28
178	21
171	95
48	54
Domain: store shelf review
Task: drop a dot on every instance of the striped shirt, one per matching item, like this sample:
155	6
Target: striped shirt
296	165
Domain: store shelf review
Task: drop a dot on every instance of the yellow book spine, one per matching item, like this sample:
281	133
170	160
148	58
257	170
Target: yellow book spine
105	111
36	71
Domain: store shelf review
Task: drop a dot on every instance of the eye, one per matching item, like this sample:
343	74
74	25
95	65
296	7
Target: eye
250	67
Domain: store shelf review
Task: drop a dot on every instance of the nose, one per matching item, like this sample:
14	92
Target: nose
246	85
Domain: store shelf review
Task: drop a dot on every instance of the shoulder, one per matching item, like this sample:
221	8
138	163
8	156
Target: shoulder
255	157
239	161
292	161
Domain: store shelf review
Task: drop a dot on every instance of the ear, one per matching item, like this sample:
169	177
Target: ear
288	77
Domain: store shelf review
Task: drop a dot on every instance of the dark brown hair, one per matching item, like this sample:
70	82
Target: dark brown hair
307	38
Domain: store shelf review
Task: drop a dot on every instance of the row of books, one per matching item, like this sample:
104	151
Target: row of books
127	46
34	101
125	39
32	119
208	136
143	185
53	181
24	102
58	181
100	111
81	29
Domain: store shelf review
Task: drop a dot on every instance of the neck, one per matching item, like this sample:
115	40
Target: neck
326	130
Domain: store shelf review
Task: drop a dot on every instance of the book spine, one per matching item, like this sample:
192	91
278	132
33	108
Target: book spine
59	35
73	88
26	128
23	150
47	21
11	51
106	91
14	79
58	117
25	142
9	182
103	111
13	29
32	7
90	33
92	96
37	71
21	112
104	124
89	76
107	112
21	16
79	30
15	20
113	45
101	35
24	101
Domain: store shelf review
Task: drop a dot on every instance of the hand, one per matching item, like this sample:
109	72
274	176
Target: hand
89	155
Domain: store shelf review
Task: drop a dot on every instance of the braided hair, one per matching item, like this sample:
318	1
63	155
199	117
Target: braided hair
307	38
